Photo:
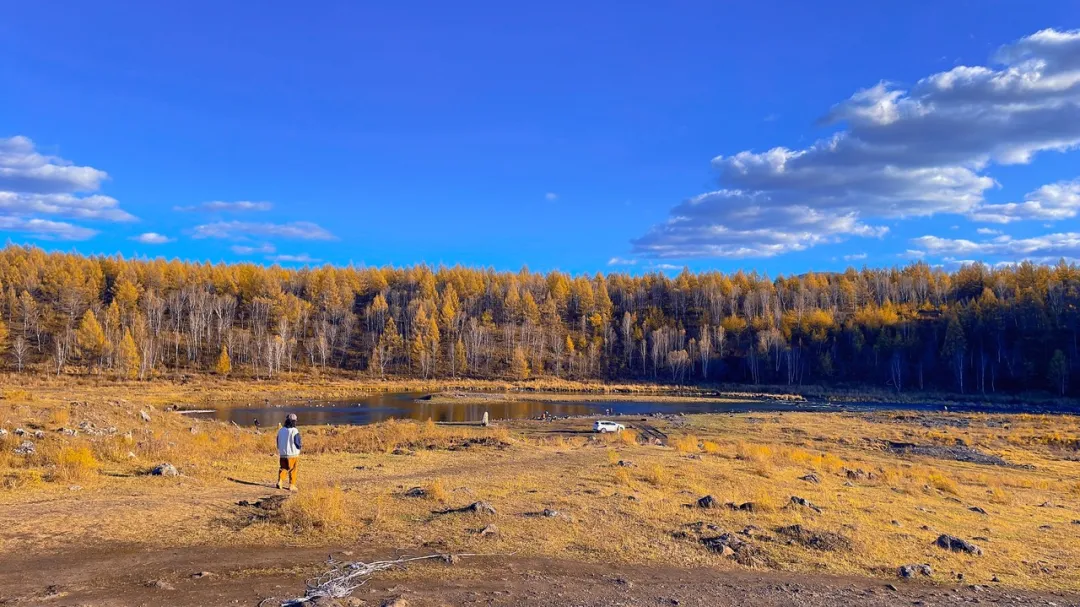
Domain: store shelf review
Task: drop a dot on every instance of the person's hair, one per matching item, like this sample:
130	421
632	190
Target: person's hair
290	422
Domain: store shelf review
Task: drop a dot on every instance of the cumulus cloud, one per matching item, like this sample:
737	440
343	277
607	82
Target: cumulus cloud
239	230
855	257
34	187
151	238
1051	202
222	206
45	229
301	258
1045	248
249	250
903	154
621	261
988	232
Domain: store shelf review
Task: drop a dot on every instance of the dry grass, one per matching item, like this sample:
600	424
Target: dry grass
319	508
351	481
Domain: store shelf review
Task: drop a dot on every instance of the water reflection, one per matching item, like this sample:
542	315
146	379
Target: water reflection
379	407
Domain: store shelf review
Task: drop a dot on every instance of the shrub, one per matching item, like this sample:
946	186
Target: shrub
710	447
75	464
60	417
437	491
943	483
657	475
686	444
317	508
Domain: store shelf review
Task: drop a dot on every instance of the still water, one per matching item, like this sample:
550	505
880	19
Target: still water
379	407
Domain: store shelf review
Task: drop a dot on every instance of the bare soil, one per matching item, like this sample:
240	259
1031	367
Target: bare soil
118	575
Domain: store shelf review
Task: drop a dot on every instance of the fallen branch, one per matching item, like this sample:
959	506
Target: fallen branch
343	578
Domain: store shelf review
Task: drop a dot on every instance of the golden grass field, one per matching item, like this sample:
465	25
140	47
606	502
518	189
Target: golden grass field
91	489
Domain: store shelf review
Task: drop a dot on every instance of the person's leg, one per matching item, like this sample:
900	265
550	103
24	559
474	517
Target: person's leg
293	462
283	468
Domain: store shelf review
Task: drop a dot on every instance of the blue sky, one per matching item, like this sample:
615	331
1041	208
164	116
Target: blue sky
582	136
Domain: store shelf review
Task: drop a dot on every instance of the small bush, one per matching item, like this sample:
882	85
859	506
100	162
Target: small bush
60	418
317	508
437	491
75	464
686	444
657	475
999	496
17	394
622	477
612	457
710	447
943	483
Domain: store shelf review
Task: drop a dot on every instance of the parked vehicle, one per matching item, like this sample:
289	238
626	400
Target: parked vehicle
607	426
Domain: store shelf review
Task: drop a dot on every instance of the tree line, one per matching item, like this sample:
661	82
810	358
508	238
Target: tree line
973	330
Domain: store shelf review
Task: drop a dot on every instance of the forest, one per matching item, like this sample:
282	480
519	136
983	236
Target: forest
977	329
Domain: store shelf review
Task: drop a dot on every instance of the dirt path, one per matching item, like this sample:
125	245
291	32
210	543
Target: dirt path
117	575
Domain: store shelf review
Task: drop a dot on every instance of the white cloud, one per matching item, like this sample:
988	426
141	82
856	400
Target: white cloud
151	238
1051	202
855	257
1048	247
301	258
24	169
97	206
239	230
221	206
988	232
45	229
551	196
265	248
904	154
35	187
621	261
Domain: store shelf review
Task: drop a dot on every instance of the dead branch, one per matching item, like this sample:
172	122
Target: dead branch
343	578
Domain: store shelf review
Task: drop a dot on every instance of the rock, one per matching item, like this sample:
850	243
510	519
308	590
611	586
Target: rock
3	432
800	501
855	475
747	507
165	470
145	416
891	587
416	492
731	546
549	513
995	579
451	559
201	574
708	502
811	478
489	530
626	463
396	602
473	508
39	434
75	488
909	571
67	431
26	448
325	601
19	432
977	509
160	585
818	540
400	451
955	544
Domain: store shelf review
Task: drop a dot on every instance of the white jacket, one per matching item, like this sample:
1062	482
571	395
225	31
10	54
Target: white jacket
288	442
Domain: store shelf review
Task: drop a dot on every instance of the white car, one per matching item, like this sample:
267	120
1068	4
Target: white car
606	426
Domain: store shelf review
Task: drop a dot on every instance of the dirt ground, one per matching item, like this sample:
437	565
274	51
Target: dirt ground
115	576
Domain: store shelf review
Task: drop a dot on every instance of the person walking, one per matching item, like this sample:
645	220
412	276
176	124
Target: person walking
288	446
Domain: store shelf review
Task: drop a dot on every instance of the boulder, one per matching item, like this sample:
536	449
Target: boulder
802	501
708	502
909	571
489	530
977	510
416	492
165	469
145	416
811	478
26	448
955	544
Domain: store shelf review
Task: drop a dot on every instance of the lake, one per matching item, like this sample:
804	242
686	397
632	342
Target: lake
379	407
